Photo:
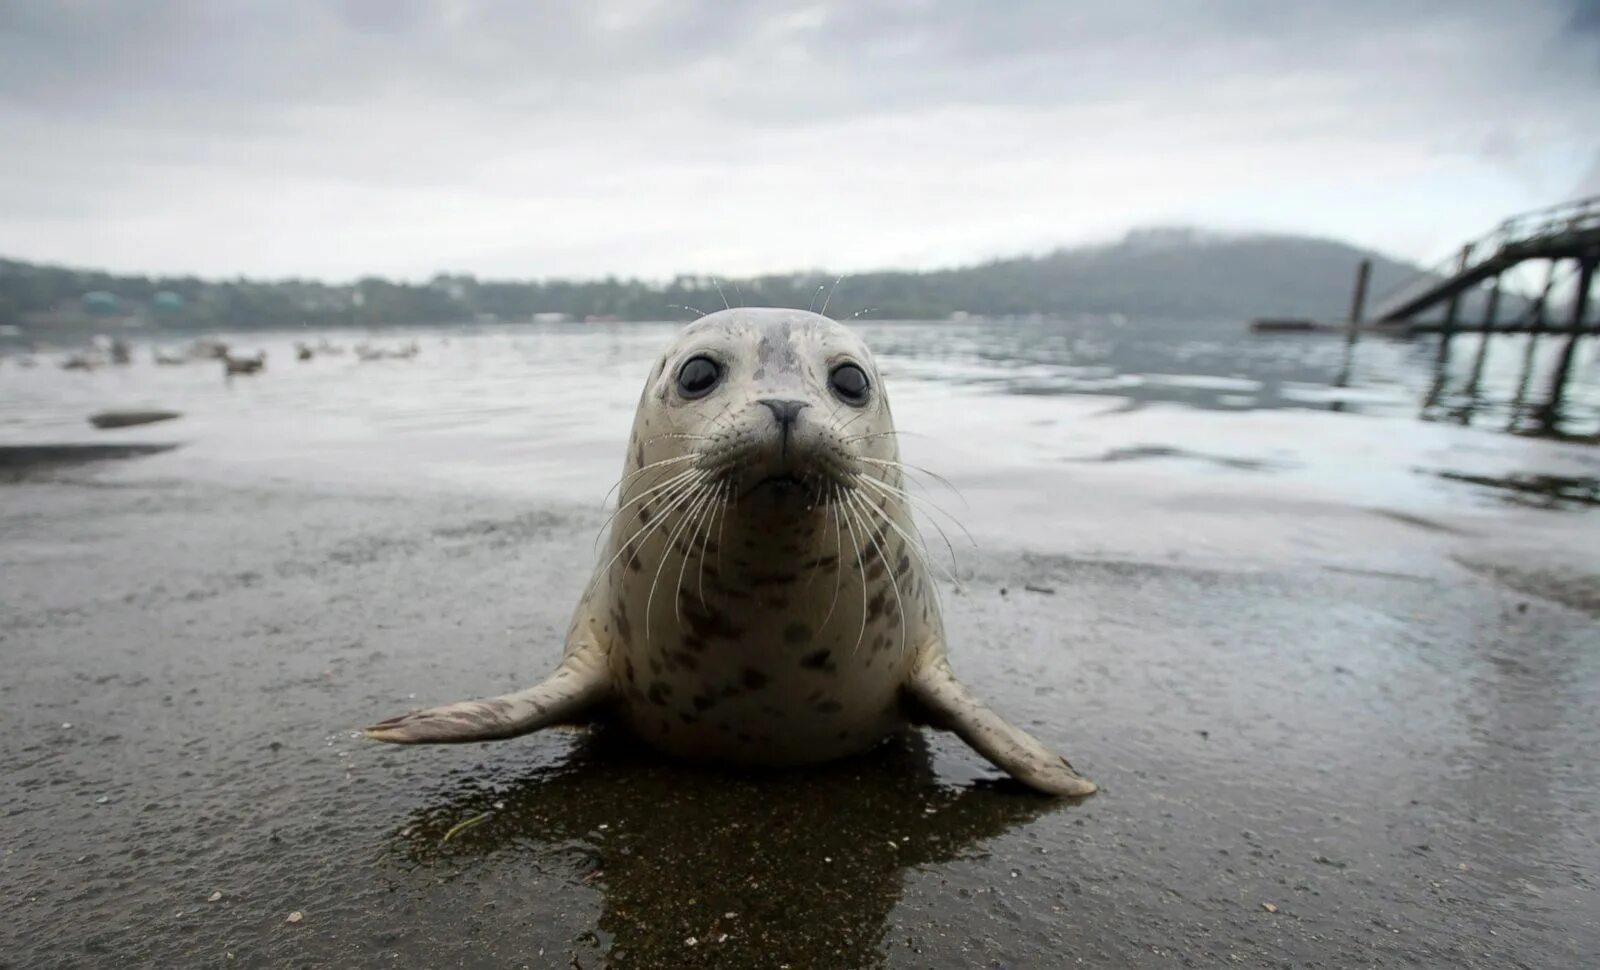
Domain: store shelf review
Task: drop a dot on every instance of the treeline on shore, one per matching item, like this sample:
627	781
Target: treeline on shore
1152	273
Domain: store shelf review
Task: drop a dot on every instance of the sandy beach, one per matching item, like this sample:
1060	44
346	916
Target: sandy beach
1363	740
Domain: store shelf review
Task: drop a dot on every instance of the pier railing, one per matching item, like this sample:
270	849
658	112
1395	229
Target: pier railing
1565	231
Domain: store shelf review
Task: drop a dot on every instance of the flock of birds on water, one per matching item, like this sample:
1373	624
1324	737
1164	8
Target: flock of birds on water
114	352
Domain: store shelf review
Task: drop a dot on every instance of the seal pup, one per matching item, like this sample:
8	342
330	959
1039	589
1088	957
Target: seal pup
763	597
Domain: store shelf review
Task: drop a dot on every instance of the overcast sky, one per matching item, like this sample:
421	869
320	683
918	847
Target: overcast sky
656	136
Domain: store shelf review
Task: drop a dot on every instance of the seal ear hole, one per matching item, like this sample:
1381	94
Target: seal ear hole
850	384
698	376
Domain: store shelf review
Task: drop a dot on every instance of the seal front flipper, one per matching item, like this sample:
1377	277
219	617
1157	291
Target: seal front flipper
951	706
579	684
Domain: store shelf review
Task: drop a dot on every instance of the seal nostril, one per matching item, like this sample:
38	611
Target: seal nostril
784	412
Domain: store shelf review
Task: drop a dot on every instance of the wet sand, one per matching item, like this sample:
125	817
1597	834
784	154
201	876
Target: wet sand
1327	759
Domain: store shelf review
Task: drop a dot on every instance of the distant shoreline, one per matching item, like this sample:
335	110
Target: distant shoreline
1152	272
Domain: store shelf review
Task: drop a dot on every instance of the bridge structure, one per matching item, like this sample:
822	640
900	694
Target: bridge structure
1569	232
1565	238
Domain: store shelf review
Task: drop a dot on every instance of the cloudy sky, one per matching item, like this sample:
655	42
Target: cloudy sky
403	137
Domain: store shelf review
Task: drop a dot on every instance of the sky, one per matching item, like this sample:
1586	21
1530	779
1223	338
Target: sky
652	137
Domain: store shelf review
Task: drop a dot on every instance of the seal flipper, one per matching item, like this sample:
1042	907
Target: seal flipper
951	706
579	684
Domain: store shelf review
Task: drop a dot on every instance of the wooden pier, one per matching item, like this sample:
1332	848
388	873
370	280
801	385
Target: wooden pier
1566	232
1565	237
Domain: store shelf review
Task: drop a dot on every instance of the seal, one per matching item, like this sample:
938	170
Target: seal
764	596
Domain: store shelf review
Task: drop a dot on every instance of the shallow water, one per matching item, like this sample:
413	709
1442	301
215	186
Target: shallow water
539	409
1338	663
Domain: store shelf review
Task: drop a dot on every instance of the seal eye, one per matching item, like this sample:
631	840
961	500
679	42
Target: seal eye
850	383
698	376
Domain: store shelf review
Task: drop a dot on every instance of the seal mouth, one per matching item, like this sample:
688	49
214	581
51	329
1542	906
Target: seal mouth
782	485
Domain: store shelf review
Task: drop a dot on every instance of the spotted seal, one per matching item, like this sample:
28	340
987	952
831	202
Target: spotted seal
763	597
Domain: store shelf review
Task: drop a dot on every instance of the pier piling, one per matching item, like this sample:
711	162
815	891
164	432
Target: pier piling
1490	311
1358	302
1550	414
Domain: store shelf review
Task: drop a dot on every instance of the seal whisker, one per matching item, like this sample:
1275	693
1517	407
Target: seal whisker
818	501
927	504
905	466
675	434
890	494
918	547
888	565
729	501
834	289
889	490
861	568
698	497
721	506
720	293
694	533
675	478
838	554
685	514
820	288
659	480
925	554
673	497
624	480
713	514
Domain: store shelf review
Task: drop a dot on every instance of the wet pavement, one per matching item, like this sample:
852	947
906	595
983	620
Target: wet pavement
1380	754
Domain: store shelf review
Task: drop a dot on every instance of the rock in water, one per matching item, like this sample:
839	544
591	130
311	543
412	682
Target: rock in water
128	419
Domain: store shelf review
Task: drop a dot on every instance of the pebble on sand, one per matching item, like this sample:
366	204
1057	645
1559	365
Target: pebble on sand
1269	907
295	917
214	896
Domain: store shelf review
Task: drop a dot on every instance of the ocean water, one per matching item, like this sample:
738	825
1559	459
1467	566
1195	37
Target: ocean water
1017	410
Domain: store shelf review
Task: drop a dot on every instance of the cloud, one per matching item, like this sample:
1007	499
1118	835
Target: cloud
1589	184
651	136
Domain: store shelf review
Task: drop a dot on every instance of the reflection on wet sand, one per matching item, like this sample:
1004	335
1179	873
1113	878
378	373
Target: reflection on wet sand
1536	491
19	462
701	867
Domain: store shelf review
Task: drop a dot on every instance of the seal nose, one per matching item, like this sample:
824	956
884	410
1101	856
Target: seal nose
786	413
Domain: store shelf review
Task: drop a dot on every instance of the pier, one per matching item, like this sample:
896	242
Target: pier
1569	232
1478	277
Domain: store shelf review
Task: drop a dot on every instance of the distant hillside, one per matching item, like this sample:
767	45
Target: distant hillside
1150	273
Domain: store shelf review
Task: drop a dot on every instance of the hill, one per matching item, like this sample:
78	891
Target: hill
1183	273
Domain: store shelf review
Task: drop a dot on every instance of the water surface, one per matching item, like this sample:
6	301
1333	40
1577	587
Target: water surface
542	408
